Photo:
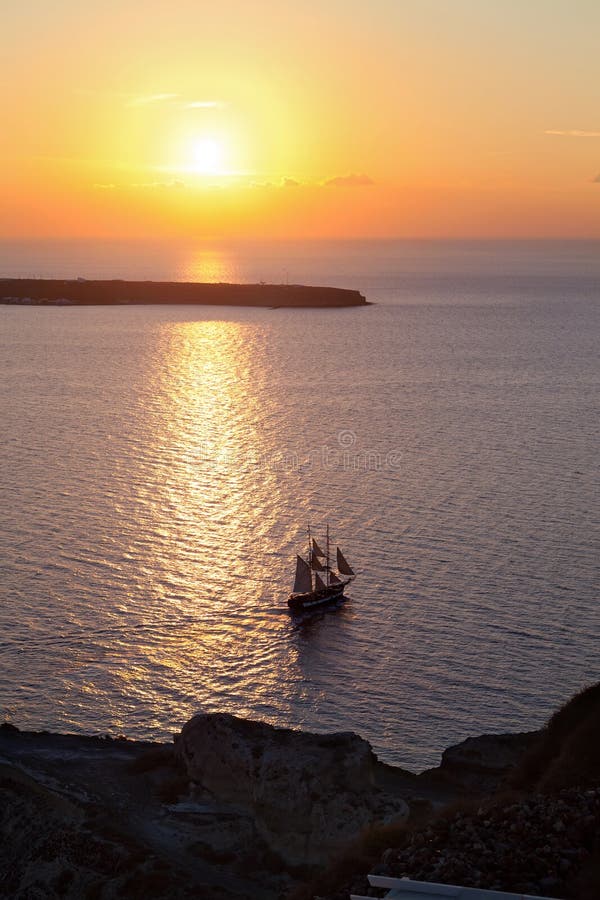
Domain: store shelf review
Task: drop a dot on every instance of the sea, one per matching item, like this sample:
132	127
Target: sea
160	466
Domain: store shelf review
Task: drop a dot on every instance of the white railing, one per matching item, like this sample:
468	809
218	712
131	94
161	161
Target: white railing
406	889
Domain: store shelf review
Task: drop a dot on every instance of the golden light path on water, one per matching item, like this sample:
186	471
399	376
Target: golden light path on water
210	512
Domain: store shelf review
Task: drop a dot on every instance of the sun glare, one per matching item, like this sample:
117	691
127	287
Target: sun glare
207	156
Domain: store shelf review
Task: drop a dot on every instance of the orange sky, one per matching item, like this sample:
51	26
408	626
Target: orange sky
338	118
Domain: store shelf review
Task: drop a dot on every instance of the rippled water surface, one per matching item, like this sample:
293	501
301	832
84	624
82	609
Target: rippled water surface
159	466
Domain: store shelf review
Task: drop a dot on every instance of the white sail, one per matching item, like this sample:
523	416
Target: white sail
333	579
319	583
342	564
316	564
303	579
316	550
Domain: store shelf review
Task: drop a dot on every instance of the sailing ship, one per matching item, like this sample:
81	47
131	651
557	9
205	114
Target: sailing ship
316	581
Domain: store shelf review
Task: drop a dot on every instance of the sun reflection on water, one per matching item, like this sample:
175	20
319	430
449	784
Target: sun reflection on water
209	265
212	505
209	412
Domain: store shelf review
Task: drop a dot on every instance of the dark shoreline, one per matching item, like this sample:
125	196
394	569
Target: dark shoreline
235	808
223	812
117	292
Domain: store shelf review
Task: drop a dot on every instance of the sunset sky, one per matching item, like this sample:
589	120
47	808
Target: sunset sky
337	118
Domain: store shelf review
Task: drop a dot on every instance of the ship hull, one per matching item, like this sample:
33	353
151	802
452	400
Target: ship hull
312	599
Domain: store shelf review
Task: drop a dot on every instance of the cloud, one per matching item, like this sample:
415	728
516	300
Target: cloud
149	99
167	97
160	185
203	104
285	182
574	133
152	98
352	180
142	185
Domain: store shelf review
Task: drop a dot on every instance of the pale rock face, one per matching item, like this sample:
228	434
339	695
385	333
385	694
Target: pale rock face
309	794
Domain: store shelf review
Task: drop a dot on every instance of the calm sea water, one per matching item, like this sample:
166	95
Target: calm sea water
159	466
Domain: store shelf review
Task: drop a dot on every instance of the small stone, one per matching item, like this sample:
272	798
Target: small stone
381	869
549	883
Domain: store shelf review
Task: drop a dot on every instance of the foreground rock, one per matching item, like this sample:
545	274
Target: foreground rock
238	809
84	817
534	845
307	794
529	822
101	818
482	764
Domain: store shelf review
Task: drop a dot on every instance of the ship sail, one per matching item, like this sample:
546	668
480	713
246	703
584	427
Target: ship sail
319	583
316	550
342	564
303	579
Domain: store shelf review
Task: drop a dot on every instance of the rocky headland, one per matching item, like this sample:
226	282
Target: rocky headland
240	809
88	292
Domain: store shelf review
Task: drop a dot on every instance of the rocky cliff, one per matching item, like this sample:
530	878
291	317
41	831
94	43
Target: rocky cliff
308	794
233	809
528	820
238	809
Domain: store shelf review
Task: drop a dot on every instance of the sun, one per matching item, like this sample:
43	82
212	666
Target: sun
207	156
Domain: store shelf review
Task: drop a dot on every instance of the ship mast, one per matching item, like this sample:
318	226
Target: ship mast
327	567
